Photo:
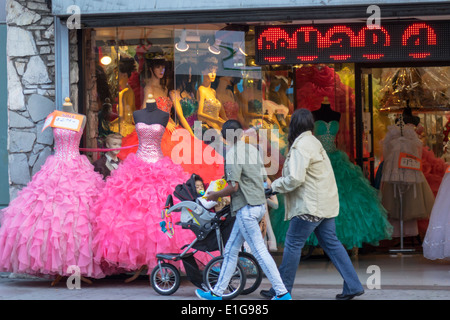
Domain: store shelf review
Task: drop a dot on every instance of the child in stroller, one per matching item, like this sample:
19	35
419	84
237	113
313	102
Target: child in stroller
212	230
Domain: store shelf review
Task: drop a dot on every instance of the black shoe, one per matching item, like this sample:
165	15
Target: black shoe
266	294
348	296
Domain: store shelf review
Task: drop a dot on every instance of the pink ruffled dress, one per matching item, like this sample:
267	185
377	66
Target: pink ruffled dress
48	226
128	233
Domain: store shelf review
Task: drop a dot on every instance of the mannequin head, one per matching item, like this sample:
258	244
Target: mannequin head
126	68
68	106
209	68
155	64
185	80
113	141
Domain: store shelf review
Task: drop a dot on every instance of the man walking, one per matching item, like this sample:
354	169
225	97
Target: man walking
245	176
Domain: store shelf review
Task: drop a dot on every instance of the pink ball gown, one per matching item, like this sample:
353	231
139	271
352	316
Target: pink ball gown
48	226
128	234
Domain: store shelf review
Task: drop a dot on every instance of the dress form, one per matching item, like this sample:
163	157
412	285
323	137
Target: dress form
325	113
151	114
68	107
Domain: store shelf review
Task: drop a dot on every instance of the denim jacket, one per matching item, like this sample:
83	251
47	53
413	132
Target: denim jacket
307	180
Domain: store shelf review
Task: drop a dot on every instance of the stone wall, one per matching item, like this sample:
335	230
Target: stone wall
31	87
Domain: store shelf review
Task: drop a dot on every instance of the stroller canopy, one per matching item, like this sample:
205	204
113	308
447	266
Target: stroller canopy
187	191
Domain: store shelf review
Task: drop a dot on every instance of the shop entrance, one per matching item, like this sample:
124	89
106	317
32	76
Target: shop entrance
399	95
383	93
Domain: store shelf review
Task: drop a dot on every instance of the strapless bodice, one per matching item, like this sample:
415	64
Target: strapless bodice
67	143
164	104
326	133
231	109
212	107
149	136
189	107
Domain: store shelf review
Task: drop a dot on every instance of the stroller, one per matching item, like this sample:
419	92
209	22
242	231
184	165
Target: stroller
212	230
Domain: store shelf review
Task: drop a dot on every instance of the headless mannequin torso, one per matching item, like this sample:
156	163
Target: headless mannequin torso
68	107
151	114
325	113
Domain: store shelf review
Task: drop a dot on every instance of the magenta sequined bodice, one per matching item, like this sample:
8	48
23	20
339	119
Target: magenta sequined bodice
149	136
67	143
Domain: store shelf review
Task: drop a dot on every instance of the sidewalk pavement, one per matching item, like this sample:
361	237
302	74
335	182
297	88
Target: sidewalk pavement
384	277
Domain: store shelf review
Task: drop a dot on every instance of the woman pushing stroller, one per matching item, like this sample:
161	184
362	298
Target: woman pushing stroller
245	174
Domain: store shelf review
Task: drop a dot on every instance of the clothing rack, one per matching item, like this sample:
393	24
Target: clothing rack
402	188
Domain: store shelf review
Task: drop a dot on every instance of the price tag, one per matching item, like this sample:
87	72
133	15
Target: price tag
48	121
64	120
409	161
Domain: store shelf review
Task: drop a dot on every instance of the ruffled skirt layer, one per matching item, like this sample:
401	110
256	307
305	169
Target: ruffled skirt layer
436	244
48	227
128	233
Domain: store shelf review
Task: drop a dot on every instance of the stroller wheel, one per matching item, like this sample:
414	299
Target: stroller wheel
252	270
211	276
165	279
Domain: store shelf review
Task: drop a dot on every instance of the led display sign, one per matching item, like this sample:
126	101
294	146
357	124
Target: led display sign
325	43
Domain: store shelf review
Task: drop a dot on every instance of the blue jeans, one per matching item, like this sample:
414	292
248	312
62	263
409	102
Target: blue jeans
246	228
325	231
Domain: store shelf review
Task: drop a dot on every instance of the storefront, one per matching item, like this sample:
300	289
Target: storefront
269	60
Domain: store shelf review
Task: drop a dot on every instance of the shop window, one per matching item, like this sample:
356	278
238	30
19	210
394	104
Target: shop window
204	75
424	90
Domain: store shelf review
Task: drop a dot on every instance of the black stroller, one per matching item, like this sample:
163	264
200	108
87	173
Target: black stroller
212	230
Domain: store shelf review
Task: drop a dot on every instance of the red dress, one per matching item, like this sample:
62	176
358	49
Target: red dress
200	158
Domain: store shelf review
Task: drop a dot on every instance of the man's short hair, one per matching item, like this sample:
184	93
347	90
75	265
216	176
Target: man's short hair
230	127
113	136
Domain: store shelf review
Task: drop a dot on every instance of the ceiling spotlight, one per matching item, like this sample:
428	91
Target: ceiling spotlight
106	60
215	47
242	51
182	45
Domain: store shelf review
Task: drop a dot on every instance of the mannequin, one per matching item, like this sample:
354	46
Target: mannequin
226	96
277	91
325	113
362	218
183	97
109	161
151	114
124	124
48	227
68	107
210	110
250	100
154	73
